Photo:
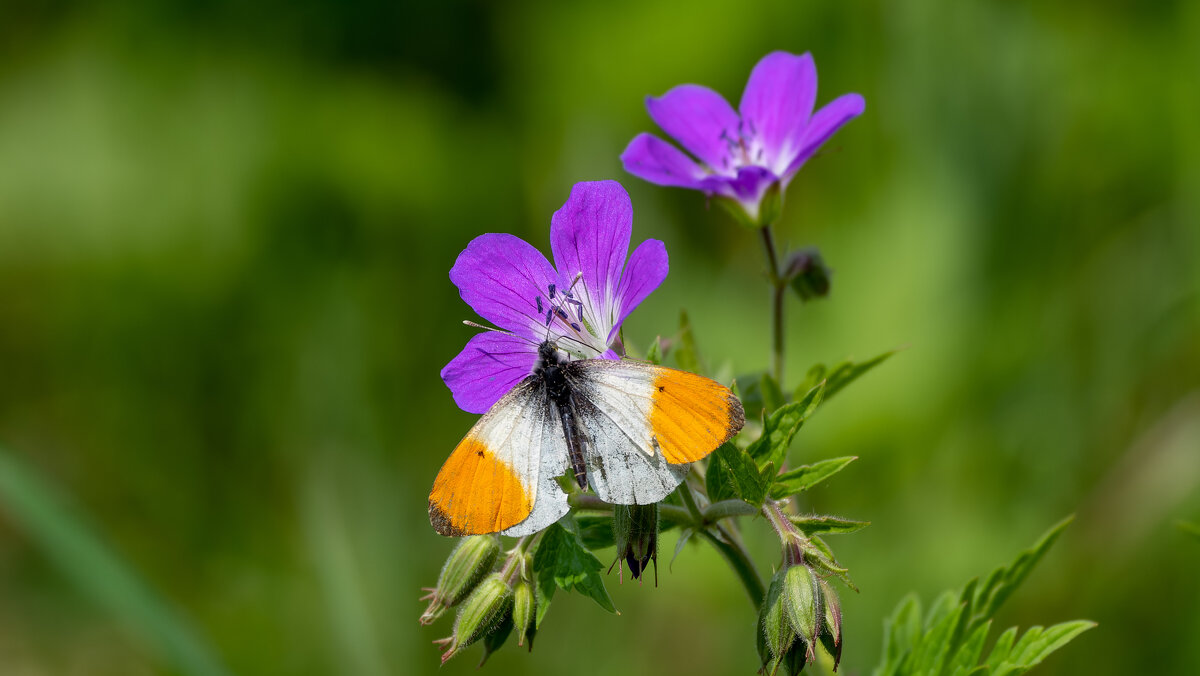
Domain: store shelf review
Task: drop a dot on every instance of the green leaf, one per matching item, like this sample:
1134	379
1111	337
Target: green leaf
1037	644
771	394
1004	581
686	355
781	426
656	353
901	634
967	657
847	372
563	561
816	373
812	524
805	477
82	555
748	482
1002	647
939	639
595	530
718	482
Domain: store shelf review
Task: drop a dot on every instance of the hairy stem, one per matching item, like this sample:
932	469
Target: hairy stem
779	288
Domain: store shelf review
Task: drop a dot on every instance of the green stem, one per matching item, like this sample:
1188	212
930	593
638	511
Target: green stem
727	508
689	500
779	289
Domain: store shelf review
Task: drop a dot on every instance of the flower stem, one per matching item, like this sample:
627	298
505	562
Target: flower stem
779	289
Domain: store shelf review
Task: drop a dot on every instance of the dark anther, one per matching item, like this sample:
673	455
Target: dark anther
539	302
576	326
562	314
549	317
551	292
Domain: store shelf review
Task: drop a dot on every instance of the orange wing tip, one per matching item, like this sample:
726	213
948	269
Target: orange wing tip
476	493
692	416
442	523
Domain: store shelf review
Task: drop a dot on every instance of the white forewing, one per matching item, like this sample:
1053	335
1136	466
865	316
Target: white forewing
548	448
613	401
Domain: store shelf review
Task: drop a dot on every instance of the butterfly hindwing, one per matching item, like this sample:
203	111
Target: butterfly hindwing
644	424
491	481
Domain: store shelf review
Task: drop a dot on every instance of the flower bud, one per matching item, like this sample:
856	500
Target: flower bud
524	611
635	532
831	628
484	610
468	563
775	633
801	595
808	274
797	657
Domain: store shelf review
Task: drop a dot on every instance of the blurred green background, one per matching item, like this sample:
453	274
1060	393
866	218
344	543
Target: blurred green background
225	230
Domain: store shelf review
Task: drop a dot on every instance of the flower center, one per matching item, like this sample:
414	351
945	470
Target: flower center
569	321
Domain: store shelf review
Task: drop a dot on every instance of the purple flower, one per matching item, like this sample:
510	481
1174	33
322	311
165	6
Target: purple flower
742	156
579	302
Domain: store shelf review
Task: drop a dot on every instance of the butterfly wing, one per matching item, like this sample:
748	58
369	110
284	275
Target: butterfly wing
496	478
643	424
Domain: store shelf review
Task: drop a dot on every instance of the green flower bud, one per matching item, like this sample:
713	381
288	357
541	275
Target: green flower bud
808	274
484	610
775	632
797	657
802	601
467	564
635	532
524	610
496	638
831	628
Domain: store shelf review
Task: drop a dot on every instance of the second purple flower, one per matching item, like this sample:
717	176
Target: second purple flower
741	155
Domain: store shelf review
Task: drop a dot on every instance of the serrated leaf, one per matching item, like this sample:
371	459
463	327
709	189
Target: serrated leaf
1037	644
939	639
771	394
847	372
1004	581
805	477
816	373
686	355
901	632
966	658
562	561
815	523
942	606
718	482
781	426
749	483
1002	647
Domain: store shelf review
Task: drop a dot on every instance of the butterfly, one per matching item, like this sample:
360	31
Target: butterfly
625	429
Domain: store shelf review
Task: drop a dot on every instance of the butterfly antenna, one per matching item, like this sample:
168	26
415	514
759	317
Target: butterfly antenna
477	325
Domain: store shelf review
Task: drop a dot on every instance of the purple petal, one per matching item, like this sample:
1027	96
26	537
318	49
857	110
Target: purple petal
652	159
487	368
647	268
501	277
824	123
700	119
590	234
751	183
777	103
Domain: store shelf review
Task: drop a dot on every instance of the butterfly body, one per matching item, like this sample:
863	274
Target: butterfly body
625	429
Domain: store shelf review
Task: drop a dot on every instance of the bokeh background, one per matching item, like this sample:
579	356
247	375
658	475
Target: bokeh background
225	229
